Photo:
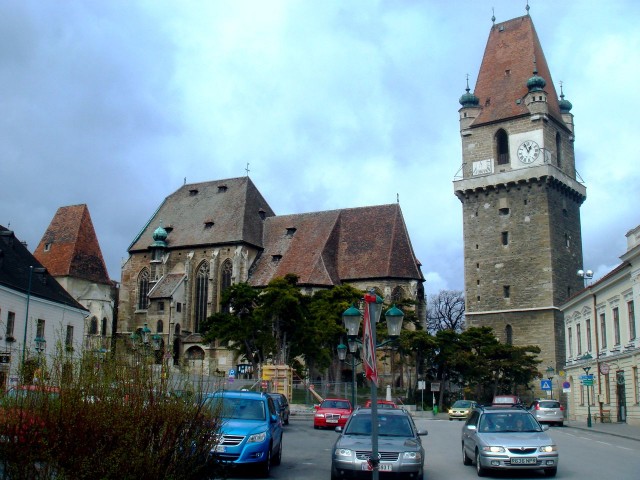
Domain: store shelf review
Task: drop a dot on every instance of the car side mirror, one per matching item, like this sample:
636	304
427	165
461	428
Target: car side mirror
338	429
545	427
423	432
470	427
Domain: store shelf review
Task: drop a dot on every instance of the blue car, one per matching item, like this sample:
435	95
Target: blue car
251	430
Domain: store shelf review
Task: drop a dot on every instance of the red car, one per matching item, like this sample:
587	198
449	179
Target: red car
382	404
332	412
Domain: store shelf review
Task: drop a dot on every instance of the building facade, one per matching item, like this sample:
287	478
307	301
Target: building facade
37	315
520	195
70	252
602	340
208	236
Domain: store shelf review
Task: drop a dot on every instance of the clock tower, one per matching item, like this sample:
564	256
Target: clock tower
520	195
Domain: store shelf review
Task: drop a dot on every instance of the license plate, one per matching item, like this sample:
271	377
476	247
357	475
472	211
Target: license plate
330	420
524	461
382	467
220	448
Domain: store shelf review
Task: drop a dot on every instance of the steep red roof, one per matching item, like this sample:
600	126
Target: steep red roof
69	247
507	64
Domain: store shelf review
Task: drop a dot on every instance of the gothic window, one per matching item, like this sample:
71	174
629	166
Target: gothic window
502	147
159	326
508	333
559	150
103	331
225	275
397	294
202	293
93	326
143	289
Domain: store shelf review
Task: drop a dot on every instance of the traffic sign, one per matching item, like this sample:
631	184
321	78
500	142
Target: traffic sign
586	377
545	384
232	373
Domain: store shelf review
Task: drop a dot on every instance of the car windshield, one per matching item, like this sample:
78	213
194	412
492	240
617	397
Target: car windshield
334	404
549	404
239	408
388	425
508	422
462	404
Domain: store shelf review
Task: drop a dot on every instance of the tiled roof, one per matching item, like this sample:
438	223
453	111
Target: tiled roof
15	260
507	64
166	285
208	213
70	247
331	247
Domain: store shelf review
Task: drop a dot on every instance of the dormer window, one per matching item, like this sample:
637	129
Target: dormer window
276	258
47	247
193	192
291	231
222	188
169	228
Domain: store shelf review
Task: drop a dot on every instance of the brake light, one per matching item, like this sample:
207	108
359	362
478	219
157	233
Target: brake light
561	408
537	407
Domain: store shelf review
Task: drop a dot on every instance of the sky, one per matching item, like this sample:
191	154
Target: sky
328	104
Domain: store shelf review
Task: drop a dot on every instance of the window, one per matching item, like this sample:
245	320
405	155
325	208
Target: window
202	293
579	339
178	307
559	150
226	274
103	330
505	238
40	328
502	147
47	247
603	331
93	326
567	240
605	387
68	340
11	319
588	323
143	289
506	291
636	385
616	326
508	331
570	342
159	327
503	211
160	307
632	320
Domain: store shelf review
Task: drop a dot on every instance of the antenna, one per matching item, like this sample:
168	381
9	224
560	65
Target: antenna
247	169
493	16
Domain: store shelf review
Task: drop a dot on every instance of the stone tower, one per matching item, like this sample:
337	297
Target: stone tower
520	195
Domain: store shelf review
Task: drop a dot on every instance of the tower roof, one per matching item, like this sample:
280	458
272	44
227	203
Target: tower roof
512	54
69	247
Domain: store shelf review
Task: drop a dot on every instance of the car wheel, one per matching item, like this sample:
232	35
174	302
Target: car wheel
278	458
550	472
480	470
561	424
334	473
316	427
265	468
450	418
465	458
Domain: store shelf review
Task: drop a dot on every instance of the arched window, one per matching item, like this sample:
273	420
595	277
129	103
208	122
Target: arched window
559	149
159	326
508	333
225	275
502	147
103	329
202	293
93	326
143	289
397	294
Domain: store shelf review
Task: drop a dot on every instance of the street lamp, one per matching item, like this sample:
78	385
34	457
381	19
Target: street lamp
550	371
32	270
586	369
342	355
587	276
372	313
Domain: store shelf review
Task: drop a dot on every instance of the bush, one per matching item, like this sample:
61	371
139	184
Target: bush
109	419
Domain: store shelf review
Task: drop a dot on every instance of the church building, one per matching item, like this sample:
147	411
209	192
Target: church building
207	236
520	195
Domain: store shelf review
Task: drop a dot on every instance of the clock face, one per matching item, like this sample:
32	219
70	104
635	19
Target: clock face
528	151
482	167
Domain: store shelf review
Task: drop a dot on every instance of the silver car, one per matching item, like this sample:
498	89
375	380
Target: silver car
548	411
507	439
399	445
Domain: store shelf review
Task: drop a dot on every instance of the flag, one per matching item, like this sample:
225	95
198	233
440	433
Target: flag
369	346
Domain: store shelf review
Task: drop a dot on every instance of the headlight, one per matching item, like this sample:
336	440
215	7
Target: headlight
493	449
345	415
548	449
257	437
415	456
319	415
450	411
343	452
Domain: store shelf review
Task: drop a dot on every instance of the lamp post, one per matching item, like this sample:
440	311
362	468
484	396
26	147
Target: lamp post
550	372
32	269
587	276
342	356
586	369
372	313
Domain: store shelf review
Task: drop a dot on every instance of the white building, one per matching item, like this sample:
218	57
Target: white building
602	340
36	314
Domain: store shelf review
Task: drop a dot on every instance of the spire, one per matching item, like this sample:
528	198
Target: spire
565	105
469	99
527	7
536	83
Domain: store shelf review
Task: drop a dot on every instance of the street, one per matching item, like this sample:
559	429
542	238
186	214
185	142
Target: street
583	455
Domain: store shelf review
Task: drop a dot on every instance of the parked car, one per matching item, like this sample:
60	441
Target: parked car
507	438
251	429
548	411
283	405
21	414
399	445
506	401
381	404
461	409
332	412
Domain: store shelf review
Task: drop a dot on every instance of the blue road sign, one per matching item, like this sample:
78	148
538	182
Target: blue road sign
232	373
586	377
545	384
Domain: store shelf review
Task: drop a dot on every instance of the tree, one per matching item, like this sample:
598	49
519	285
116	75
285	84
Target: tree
445	311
